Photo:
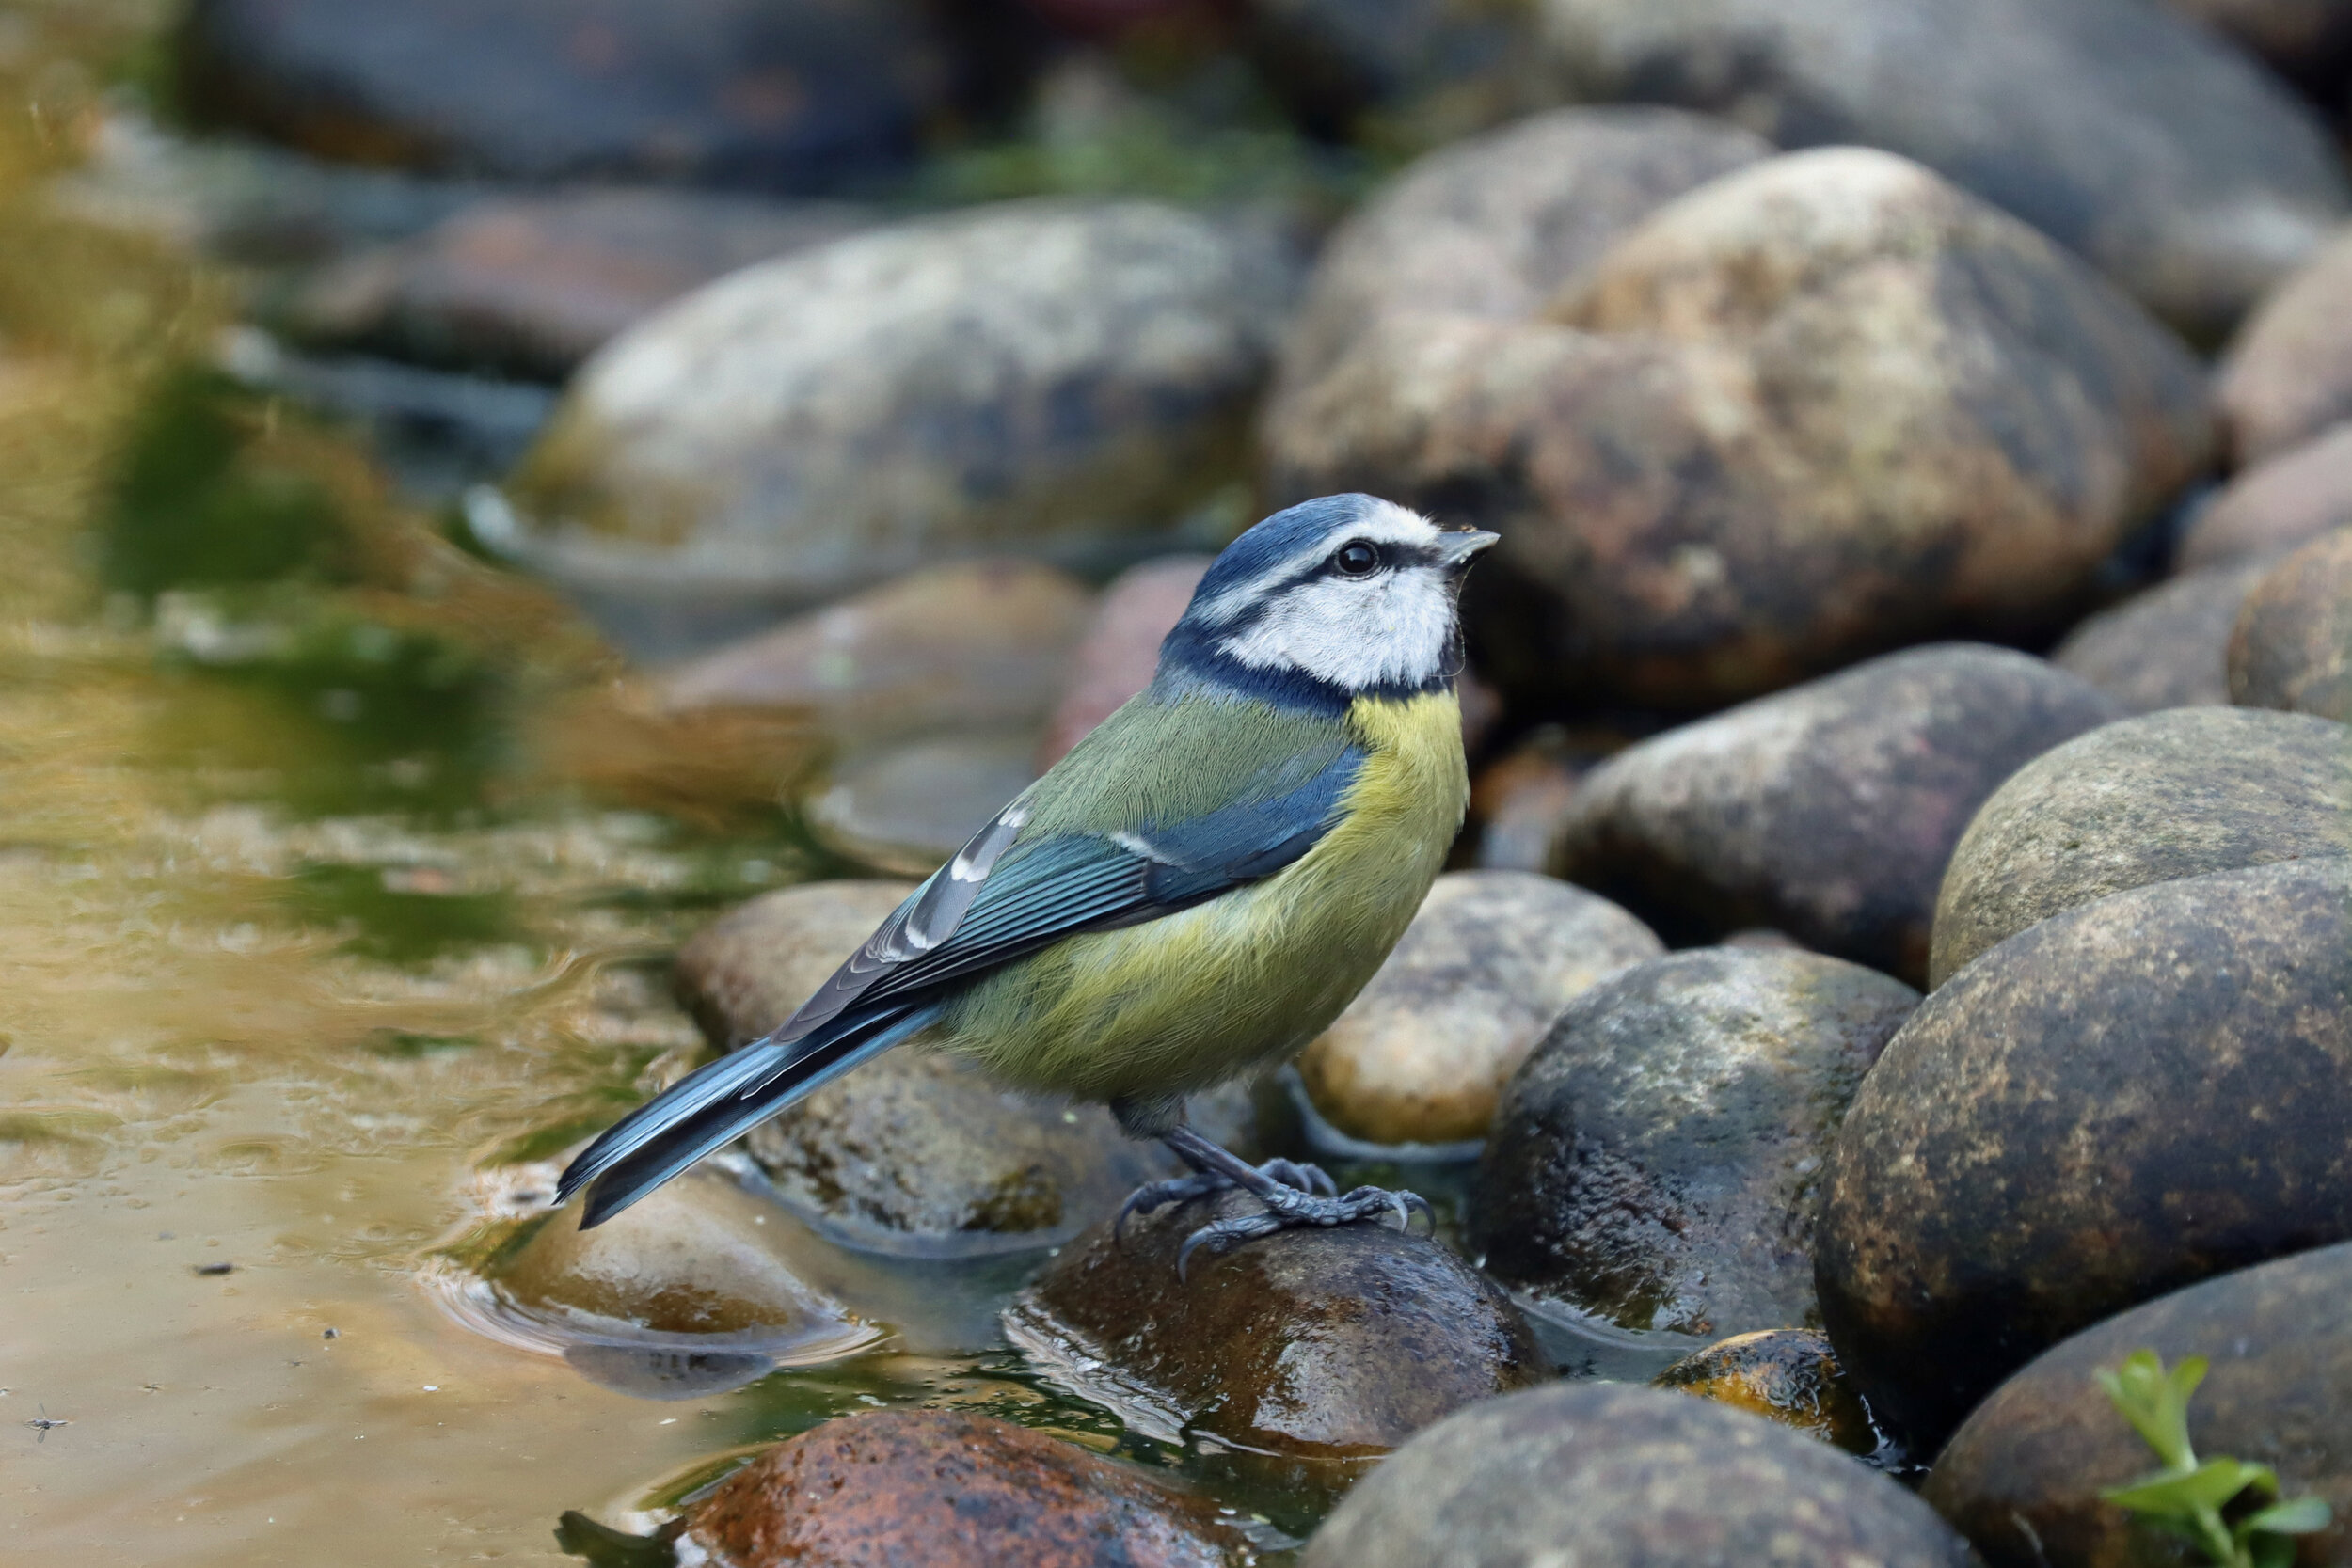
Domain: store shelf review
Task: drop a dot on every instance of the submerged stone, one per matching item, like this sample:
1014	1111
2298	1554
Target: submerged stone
1789	1375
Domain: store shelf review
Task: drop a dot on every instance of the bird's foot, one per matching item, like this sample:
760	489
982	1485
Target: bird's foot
1287	1209
1286	1174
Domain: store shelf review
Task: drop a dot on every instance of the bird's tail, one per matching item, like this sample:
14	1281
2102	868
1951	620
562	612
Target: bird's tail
709	1108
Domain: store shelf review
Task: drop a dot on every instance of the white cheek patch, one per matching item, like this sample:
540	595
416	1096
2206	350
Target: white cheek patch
1393	629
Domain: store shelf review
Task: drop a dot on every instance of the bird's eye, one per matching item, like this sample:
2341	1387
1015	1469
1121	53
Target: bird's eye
1356	558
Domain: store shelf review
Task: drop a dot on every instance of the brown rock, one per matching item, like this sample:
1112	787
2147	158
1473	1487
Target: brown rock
906	808
1789	1375
2279	503
2293	645
1424	1050
1811	409
1121	650
2168	646
2288	374
1655	1162
2022	1477
2170	795
2127	1097
1826	811
948	1489
1519	800
1605	1476
1325	1348
530	286
745	972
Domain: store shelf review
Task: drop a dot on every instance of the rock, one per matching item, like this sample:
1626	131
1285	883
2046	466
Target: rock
2021	1478
1654	1162
2288	374
953	1489
981	645
1121	650
1604	1476
799	96
907	808
2171	795
912	1152
1814	408
1517	801
2166	646
2276	505
2133	137
529	286
1424	1050
1789	1375
2125	1099
2306	41
1826	811
1326	1348
1492	227
2293	645
788	434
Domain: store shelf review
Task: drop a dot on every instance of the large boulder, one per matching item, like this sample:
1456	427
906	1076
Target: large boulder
1487	963
2288	374
1655	1160
2023	1475
2166	646
800	95
1067	379
2277	505
2127	1097
2293	645
2137	138
2306	41
1603	1476
1826	811
2176	794
1814	408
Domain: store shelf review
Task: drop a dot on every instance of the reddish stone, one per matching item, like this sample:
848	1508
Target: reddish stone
1115	657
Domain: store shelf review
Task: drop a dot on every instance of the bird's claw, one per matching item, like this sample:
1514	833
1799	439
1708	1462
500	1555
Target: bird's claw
1309	1180
1288	1208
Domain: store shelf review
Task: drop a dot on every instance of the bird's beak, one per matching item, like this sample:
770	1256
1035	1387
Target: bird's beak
1462	545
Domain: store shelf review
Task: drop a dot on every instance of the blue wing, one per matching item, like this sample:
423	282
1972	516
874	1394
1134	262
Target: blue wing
999	899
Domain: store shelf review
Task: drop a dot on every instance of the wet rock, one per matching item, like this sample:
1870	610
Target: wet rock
1326	1348
906	808
530	286
2175	794
2275	506
2125	1099
1121	650
2293	645
2306	41
1654	1162
1424	1050
2133	137
1816	407
950	1489
1826	811
746	972
2288	374
2166	646
787	434
799	96
1605	1476
1491	228
984	644
2021	1478
1789	1375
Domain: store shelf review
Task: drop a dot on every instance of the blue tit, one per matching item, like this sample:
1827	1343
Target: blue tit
1194	891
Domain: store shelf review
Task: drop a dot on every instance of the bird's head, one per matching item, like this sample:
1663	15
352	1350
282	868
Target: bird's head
1327	601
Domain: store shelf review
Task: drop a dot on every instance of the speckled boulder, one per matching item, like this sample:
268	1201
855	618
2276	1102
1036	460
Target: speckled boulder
1826	811
2170	795
1605	1476
1655	1160
2021	1478
1120	649
1323	1349
2127	1097
2166	646
2293	645
1052	377
1493	955
2137	139
2288	374
1816	407
950	1489
2282	502
1789	1375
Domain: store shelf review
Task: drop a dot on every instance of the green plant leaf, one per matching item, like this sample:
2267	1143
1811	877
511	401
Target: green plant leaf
2156	1402
2181	1495
2296	1516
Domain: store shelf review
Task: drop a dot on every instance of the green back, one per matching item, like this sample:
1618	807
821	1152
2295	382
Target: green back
1154	762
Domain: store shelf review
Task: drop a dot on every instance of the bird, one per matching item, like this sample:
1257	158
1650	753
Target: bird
1194	891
